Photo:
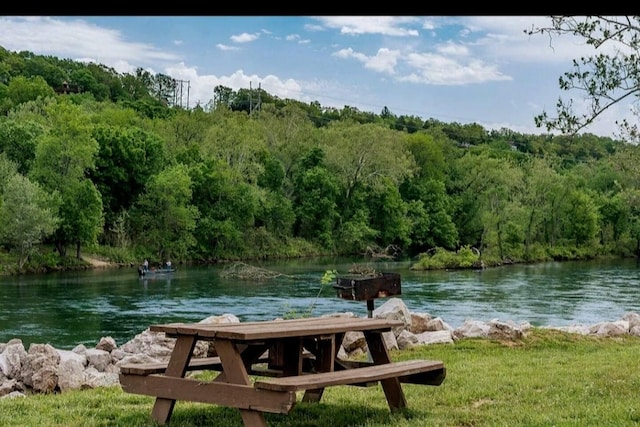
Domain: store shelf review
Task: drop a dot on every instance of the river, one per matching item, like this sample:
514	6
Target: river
66	309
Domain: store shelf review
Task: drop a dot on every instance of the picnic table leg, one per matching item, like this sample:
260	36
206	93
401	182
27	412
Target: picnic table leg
292	356
163	408
391	386
325	355
235	372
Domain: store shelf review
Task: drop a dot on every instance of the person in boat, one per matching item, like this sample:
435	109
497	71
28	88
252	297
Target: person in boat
145	265
168	264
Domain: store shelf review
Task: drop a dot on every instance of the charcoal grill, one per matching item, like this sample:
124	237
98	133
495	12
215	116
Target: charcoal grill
368	288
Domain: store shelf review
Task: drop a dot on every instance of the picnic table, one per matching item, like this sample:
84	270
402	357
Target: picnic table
264	364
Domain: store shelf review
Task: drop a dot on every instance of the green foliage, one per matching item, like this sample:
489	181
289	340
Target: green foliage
126	160
441	259
316	205
18	141
329	276
291	179
22	89
606	77
276	213
389	216
28	215
81	215
164	217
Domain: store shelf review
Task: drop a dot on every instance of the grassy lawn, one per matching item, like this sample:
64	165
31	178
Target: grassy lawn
550	378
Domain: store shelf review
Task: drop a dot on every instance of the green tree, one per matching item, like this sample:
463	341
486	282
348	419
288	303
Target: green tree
128	156
18	140
22	89
65	154
163	218
222	96
542	192
580	217
389	216
289	135
238	141
228	207
183	134
82	215
365	155
315	197
607	77
27	214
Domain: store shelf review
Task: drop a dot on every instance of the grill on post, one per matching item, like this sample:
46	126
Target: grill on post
368	288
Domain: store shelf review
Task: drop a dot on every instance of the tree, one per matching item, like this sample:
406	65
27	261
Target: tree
605	78
227	205
18	141
289	135
315	199
22	89
82	215
65	154
366	155
222	95
164	217
127	158
27	215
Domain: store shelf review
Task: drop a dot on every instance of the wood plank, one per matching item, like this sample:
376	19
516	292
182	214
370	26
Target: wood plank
219	393
390	385
177	366
202	363
434	377
349	376
250	331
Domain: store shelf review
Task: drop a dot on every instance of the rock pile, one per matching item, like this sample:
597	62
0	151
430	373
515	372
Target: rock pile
45	369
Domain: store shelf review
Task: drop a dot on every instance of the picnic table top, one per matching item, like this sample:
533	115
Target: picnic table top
248	331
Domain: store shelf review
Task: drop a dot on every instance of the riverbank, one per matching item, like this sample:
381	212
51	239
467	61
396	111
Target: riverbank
98	263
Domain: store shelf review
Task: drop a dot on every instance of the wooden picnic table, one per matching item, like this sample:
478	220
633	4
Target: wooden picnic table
263	364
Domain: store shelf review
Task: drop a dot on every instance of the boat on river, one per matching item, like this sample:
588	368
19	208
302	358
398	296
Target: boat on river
153	272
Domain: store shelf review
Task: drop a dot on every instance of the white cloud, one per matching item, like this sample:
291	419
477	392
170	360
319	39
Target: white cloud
384	61
77	38
245	37
505	38
386	25
442	70
226	47
313	28
453	49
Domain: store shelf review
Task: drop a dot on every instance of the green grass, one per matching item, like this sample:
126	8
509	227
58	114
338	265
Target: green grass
550	378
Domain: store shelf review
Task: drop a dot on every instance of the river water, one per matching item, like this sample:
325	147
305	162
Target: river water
66	309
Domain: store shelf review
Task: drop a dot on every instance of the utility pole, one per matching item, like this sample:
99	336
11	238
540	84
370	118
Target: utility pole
257	107
178	96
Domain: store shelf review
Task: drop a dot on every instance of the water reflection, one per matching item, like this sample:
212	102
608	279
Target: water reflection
65	309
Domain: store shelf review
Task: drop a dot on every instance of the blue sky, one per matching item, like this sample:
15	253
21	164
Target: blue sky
465	69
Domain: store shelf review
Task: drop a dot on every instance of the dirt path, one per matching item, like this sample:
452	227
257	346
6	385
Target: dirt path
96	263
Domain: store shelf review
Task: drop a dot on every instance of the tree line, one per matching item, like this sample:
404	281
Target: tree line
91	157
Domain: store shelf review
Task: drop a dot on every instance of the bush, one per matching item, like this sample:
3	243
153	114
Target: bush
465	257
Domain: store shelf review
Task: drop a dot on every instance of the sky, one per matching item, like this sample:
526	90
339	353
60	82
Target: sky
463	69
